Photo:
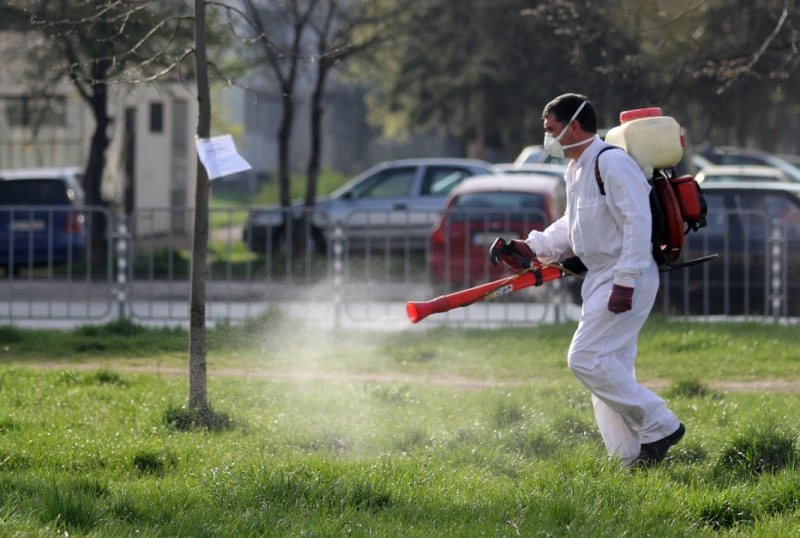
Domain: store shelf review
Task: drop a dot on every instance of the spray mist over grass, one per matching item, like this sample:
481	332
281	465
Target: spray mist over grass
360	390
327	373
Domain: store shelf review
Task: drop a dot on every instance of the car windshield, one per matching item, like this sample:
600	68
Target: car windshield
33	192
479	206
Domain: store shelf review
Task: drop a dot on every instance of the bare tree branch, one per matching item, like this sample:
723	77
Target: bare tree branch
760	52
168	69
270	53
115	58
260	35
674	19
75	22
72	57
230	82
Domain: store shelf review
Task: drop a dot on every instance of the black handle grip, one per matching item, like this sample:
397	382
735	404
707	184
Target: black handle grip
496	249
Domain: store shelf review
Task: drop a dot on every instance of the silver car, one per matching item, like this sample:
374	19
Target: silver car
395	201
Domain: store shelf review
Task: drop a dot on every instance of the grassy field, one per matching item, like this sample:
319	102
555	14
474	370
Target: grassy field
444	433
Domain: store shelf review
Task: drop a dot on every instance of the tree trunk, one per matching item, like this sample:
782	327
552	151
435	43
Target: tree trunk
284	143
477	147
93	176
317	110
197	321
294	228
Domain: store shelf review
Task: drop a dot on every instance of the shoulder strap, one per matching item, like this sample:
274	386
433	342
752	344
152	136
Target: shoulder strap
597	169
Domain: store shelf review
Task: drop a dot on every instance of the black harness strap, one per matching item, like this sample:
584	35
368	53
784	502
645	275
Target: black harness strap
659	228
597	169
538	276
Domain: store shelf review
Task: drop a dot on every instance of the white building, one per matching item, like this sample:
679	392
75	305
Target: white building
151	160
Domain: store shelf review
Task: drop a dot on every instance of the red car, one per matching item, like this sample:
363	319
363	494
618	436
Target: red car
485	207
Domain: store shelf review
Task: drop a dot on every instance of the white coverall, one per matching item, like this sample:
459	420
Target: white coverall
611	235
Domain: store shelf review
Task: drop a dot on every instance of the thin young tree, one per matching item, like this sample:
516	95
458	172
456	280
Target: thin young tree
198	394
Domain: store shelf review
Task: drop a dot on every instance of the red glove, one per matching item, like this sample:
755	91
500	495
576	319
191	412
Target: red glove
620	299
517	255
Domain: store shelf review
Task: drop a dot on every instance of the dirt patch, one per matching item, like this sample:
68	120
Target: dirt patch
775	385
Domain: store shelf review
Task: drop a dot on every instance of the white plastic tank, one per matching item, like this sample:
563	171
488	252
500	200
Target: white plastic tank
653	140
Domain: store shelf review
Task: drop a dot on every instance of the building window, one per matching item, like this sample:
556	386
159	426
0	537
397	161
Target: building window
40	111
156	118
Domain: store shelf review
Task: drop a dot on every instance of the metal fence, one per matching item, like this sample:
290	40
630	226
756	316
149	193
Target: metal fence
52	269
358	272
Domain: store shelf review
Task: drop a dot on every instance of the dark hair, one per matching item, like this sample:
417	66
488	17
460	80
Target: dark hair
564	106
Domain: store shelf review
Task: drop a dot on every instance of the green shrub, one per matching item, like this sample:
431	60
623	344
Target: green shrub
186	419
688	388
508	413
10	334
762	448
530	443
7	424
73	503
152	462
108	377
723	513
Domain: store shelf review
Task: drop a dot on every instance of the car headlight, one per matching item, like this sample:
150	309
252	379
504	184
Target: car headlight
323	217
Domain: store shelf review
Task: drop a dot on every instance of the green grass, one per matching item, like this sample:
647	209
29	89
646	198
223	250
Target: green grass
95	450
687	354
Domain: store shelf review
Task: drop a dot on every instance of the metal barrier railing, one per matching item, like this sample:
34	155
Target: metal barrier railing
248	264
749	279
451	254
360	270
53	269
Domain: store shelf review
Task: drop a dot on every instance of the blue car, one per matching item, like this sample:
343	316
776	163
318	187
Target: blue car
41	222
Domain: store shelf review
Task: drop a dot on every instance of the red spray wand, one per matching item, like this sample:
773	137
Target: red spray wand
535	275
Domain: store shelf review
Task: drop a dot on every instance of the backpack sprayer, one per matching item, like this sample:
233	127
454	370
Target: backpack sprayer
676	204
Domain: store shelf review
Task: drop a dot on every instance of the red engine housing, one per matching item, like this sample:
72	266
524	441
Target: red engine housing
682	208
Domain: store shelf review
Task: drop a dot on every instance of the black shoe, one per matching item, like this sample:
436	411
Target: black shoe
655	452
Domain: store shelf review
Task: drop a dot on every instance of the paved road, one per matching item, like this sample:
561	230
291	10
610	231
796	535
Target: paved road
61	303
381	316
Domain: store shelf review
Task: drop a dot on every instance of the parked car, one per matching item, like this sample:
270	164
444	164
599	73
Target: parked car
742	217
547	169
737	156
38	216
537	154
794	160
396	200
483	208
716	174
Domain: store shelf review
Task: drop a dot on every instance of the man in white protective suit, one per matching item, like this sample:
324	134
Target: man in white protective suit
610	232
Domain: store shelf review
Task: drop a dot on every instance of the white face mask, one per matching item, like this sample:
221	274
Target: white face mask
553	145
